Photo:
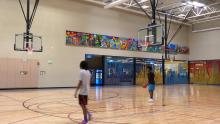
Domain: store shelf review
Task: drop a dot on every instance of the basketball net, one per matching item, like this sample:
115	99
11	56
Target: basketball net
29	50
145	44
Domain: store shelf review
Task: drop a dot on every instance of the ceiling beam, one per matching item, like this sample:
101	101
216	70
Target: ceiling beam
205	14
134	11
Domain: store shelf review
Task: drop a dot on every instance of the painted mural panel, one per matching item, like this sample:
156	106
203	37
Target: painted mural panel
176	72
100	41
111	42
119	70
205	72
141	70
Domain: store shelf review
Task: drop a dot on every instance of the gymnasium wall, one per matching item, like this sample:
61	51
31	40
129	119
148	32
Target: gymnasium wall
205	45
58	63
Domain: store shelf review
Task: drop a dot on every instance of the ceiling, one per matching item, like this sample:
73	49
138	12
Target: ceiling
192	11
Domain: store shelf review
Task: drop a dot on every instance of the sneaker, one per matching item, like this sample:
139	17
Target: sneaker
150	100
83	122
89	115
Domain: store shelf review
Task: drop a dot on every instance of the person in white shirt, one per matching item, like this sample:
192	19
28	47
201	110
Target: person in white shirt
83	88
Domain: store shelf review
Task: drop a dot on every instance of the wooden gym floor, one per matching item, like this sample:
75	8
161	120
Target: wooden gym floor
174	104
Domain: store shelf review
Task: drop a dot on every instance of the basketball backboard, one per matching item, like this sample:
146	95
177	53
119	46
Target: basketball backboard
151	36
24	42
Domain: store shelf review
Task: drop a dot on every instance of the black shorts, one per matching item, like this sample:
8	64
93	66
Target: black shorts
83	99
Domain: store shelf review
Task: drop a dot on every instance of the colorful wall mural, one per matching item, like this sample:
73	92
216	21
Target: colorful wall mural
100	41
104	41
141	70
171	48
205	72
119	70
176	72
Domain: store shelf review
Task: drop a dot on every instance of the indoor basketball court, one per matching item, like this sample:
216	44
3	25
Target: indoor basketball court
147	61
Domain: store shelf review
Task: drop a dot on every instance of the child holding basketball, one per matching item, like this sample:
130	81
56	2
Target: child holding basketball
83	88
151	82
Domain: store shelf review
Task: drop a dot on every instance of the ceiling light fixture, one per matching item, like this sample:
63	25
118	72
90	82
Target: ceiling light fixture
142	1
145	7
195	4
181	15
115	3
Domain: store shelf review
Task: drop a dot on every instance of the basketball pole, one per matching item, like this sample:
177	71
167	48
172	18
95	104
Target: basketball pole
164	39
29	17
165	36
28	24
143	9
164	42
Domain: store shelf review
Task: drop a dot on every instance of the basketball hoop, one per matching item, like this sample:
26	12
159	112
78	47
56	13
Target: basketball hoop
29	50
145	44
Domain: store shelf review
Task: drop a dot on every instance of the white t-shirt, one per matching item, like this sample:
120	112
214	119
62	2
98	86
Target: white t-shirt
85	77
